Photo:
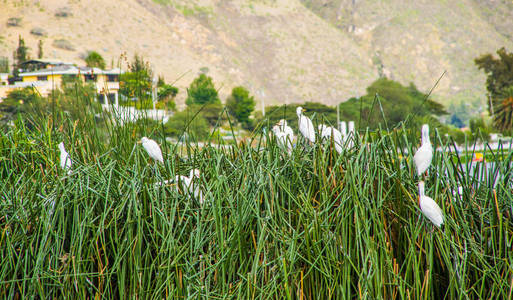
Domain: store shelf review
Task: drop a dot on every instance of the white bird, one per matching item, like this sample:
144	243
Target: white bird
284	135
188	184
191	184
152	148
328	132
429	207
343	130
65	159
351	134
424	154
305	125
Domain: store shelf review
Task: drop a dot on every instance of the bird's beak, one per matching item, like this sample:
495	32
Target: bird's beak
303	109
139	142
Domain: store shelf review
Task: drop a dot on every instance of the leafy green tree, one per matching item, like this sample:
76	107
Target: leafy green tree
189	122
20	55
240	104
137	83
392	105
40	49
503	117
480	129
202	91
18	101
166	94
95	60
499	74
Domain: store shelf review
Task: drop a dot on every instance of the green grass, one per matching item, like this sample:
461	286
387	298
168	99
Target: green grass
315	225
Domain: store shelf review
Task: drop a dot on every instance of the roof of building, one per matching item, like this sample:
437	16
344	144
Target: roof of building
71	70
48	61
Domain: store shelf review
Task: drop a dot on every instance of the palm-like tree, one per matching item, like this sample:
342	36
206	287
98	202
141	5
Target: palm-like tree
503	119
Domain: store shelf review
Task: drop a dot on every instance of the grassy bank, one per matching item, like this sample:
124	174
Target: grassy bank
315	225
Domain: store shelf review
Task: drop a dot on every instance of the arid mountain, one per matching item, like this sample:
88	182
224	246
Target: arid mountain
283	50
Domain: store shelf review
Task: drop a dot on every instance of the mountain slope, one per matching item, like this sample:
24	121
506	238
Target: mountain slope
283	50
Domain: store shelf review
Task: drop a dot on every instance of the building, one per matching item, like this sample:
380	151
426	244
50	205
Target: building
51	76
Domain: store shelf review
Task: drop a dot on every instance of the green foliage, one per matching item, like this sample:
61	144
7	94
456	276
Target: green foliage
312	225
4	64
480	129
240	104
499	74
137	84
189	122
20	55
95	60
392	105
321	112
202	91
19	101
40	49
166	95
503	117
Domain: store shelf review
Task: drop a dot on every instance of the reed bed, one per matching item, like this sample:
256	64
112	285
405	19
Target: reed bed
312	225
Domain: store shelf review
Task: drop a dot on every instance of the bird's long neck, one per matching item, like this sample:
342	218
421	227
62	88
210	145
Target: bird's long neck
425	137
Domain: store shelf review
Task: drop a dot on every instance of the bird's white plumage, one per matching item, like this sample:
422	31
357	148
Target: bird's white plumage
284	135
328	132
305	125
65	159
152	148
343	130
351	134
424	154
429	207
191	184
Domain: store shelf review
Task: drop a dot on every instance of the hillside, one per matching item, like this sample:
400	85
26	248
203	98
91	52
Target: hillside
283	50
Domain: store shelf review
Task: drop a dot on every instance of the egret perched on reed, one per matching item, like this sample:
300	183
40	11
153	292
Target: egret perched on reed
429	207
305	125
152	148
343	130
65	159
191	185
351	135
424	154
328	132
284	135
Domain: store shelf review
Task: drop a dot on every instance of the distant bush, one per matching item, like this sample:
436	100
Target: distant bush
63	12
202	91
95	60
240	104
14	22
193	124
63	44
38	31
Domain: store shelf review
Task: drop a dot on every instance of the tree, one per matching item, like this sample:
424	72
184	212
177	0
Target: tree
18	101
40	49
166	94
137	82
503	117
4	64
189	122
20	55
202	91
240	104
95	60
499	74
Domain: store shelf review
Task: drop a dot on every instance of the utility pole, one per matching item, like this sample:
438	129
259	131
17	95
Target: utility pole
154	91
491	104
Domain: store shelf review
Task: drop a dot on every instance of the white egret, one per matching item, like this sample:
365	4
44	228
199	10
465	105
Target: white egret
343	130
191	185
187	184
305	125
429	207
328	132
351	135
424	154
65	159
284	135
152	148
